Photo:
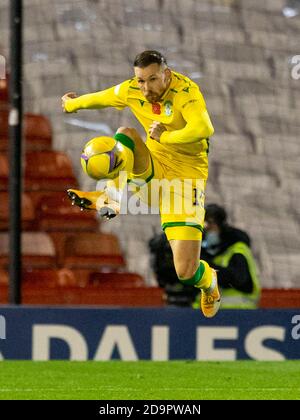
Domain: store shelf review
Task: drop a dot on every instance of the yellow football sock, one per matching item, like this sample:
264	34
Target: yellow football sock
202	278
206	279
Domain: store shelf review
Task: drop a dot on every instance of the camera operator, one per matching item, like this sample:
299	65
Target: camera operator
228	250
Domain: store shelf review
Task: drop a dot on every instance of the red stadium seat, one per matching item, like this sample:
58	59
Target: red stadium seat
44	171
116	280
3	143
52	278
38	196
48	171
279	298
38	132
28	214
38	250
135	297
4	93
56	213
44	286
92	251
36	128
4	124
3	172
3	277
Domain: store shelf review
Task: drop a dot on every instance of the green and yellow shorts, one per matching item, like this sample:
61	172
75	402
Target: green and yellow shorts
177	195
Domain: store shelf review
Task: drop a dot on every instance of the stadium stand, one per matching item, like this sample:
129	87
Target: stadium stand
4	93
48	278
36	128
72	242
37	132
116	280
92	251
61	287
239	52
48	171
54	213
38	250
3	172
3	278
28	212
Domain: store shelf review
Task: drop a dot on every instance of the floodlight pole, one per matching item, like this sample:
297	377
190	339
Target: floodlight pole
15	151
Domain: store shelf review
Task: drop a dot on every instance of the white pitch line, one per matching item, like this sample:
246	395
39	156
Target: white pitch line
149	389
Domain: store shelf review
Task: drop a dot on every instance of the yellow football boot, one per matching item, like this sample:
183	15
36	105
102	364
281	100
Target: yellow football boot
95	200
211	298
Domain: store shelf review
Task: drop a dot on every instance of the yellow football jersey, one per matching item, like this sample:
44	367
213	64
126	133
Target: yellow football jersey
182	110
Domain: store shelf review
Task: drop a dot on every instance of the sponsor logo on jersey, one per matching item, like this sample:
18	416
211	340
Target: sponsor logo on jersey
156	108
168	108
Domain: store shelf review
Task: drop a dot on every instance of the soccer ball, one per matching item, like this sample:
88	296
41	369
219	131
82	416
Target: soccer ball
100	158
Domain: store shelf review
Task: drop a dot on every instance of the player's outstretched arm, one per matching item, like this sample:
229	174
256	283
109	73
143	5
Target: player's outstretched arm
113	97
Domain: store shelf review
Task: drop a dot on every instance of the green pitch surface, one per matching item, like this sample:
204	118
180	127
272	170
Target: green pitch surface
149	380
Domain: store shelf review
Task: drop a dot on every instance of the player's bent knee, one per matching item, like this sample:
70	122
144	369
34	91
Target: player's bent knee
186	271
130	132
123	130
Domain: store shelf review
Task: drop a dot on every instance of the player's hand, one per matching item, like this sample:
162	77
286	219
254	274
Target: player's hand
68	95
156	129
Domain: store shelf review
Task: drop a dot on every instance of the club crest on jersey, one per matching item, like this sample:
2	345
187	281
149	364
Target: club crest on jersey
168	108
156	108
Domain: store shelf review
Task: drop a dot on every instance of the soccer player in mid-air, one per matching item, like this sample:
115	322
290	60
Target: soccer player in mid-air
173	113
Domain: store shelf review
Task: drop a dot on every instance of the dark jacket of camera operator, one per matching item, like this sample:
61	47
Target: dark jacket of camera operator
176	293
227	249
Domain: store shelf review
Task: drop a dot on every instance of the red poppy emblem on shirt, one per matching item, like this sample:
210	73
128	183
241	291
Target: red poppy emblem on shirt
156	108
